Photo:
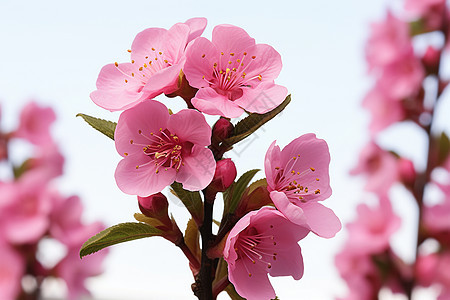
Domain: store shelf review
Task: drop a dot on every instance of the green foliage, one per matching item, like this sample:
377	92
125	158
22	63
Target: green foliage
104	126
250	124
443	149
192	238
234	194
192	200
116	234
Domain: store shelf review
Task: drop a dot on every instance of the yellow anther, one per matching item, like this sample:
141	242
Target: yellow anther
312	169
203	56
116	64
253	57
129	50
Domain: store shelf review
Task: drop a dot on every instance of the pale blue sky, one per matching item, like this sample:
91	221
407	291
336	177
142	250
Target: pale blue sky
52	51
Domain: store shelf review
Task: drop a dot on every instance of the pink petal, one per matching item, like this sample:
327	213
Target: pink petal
197	26
175	42
113	93
190	125
198	169
231	39
143	181
209	102
267	62
321	219
145	41
135	119
262	99
314	154
26	229
293	212
163	81
197	66
256	287
272	161
289	262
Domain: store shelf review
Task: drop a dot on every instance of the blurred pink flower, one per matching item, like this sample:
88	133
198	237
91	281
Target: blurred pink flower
379	166
433	269
74	271
12	268
159	149
432	12
297	178
25	207
371	231
48	159
35	124
157	57
233	73
421	7
384	110
389	40
263	242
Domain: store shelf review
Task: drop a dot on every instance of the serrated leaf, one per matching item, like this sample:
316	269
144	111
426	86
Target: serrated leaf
192	200
250	124
192	238
233	198
116	234
147	220
104	126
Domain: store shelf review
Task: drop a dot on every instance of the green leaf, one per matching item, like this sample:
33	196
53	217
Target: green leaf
250	124
232	293
104	126
233	198
192	200
444	149
147	220
116	234
192	238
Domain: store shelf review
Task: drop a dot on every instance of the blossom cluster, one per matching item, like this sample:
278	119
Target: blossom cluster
226	76
33	213
409	87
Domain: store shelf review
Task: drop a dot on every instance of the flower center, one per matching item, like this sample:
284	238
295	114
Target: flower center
256	248
292	182
164	149
228	75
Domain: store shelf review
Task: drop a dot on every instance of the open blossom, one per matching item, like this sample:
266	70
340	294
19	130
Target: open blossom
35	124
233	73
389	40
159	149
157	57
263	242
297	178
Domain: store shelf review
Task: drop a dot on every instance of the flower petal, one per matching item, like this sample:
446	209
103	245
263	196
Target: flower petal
144	43
231	39
115	89
198	169
289	262
190	125
292	212
175	42
142	181
135	119
321	219
201	55
262	99
271	161
196	26
208	101
267	62
163	81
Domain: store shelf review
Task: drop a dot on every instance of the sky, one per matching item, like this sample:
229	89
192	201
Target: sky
52	51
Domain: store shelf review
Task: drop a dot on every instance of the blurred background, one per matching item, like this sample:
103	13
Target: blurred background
52	51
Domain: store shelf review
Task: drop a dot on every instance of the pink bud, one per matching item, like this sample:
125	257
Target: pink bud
431	60
222	129
406	171
224	175
154	206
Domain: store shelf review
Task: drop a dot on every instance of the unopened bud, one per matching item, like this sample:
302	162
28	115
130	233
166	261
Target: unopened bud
224	175
406	171
154	206
222	129
431	60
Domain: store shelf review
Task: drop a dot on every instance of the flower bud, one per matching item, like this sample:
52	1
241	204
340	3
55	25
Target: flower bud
222	129
154	206
431	60
406	171
224	175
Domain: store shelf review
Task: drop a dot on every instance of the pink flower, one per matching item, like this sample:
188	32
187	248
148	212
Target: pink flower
379	166
159	149
389	40
433	269
263	242
12	268
35	124
157	57
371	231
24	208
384	110
233	73
48	159
297	178
422	7
75	271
